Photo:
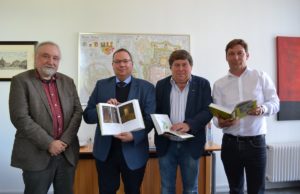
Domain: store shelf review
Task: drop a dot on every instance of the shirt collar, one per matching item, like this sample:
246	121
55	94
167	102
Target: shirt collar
229	74
172	81
127	80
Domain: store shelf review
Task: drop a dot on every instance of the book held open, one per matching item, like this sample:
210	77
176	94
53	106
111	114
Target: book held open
163	125
115	119
240	110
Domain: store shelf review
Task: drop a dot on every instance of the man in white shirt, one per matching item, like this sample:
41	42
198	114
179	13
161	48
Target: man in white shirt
243	144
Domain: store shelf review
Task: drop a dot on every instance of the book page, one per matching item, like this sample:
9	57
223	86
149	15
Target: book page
242	109
180	134
110	114
131	116
108	119
220	111
126	112
162	123
125	117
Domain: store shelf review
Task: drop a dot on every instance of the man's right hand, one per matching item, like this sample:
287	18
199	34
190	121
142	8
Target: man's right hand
56	147
113	101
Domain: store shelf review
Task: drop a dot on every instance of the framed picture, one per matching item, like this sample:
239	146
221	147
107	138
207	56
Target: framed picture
288	71
16	57
150	54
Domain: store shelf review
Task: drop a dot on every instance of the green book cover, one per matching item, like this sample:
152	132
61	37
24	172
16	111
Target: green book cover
239	111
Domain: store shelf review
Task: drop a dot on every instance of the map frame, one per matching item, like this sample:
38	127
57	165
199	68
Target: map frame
150	53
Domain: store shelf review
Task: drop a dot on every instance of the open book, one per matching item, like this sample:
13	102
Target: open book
163	125
240	110
124	117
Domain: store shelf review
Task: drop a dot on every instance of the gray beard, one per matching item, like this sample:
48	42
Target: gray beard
48	71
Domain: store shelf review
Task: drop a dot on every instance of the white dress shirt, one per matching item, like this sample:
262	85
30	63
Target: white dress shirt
178	101
251	85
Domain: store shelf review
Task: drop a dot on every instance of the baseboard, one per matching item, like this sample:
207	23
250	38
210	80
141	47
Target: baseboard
18	192
222	188
275	185
11	192
269	185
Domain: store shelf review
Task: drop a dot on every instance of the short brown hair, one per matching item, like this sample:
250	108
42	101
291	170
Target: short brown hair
235	42
122	50
180	55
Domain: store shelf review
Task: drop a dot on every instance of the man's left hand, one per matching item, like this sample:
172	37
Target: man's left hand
181	127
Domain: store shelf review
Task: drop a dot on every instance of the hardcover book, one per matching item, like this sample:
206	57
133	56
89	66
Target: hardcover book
239	111
115	119
163	125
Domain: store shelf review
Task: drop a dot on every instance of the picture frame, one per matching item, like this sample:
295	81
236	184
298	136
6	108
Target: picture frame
16	57
288	70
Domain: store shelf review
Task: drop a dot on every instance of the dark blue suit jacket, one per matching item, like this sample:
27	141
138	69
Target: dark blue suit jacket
197	114
135	152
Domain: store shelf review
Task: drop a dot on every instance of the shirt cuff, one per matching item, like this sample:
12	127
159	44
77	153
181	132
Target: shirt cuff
265	109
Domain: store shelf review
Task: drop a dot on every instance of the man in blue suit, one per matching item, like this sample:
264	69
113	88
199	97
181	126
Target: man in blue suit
185	98
126	153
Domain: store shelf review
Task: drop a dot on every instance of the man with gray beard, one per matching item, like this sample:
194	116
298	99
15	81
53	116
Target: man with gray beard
45	110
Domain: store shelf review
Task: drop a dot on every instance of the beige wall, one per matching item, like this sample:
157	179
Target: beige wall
211	24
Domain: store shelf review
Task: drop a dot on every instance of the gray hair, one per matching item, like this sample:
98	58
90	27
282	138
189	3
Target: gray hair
46	43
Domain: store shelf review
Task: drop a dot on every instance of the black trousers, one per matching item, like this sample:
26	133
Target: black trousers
59	172
110	170
244	154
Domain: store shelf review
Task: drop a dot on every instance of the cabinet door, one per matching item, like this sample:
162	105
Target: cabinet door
151	182
86	178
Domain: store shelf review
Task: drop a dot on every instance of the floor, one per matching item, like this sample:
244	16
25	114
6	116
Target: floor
295	190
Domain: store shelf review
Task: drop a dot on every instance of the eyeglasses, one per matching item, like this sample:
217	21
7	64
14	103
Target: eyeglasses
125	61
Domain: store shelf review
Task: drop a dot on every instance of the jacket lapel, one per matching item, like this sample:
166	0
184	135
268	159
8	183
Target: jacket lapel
61	93
111	91
40	90
167	97
133	89
191	98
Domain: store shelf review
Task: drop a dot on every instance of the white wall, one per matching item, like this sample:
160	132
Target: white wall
211	24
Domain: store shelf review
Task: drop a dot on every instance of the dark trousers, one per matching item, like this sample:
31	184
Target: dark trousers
109	174
59	172
244	154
